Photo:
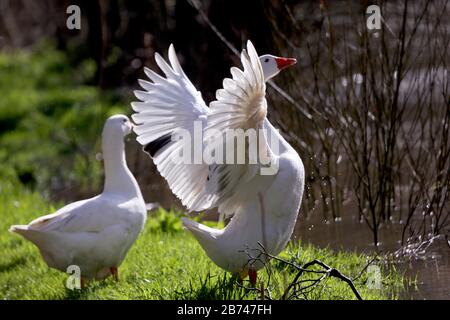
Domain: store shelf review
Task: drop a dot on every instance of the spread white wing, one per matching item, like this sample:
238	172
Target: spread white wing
168	107
172	104
240	108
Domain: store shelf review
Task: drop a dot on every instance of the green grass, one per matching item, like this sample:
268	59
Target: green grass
50	119
165	263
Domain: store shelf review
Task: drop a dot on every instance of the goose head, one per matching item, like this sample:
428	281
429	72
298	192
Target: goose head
272	65
117	127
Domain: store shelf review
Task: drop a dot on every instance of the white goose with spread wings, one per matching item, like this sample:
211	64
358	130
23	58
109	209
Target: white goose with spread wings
263	204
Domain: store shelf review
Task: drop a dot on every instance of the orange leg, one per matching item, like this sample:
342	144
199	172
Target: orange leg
115	273
253	276
242	275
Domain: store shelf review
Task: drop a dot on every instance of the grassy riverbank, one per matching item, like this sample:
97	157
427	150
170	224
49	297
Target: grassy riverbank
165	263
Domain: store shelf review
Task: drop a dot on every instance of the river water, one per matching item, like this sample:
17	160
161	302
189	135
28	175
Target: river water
431	270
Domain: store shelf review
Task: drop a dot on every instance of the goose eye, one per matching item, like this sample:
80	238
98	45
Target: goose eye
266	60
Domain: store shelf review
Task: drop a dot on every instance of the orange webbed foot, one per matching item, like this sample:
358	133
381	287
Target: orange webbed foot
115	273
253	276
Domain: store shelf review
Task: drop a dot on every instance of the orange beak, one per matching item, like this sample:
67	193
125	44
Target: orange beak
283	63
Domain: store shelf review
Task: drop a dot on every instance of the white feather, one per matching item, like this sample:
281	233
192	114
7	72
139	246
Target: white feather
94	234
238	190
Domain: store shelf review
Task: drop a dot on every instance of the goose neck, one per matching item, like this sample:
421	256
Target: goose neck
118	178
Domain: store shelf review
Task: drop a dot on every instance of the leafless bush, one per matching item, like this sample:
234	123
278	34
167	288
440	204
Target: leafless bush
378	134
299	286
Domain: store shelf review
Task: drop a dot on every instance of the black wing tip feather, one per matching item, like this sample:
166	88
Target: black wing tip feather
153	147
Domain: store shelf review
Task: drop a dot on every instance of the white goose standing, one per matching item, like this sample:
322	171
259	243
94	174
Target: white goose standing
95	234
264	207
